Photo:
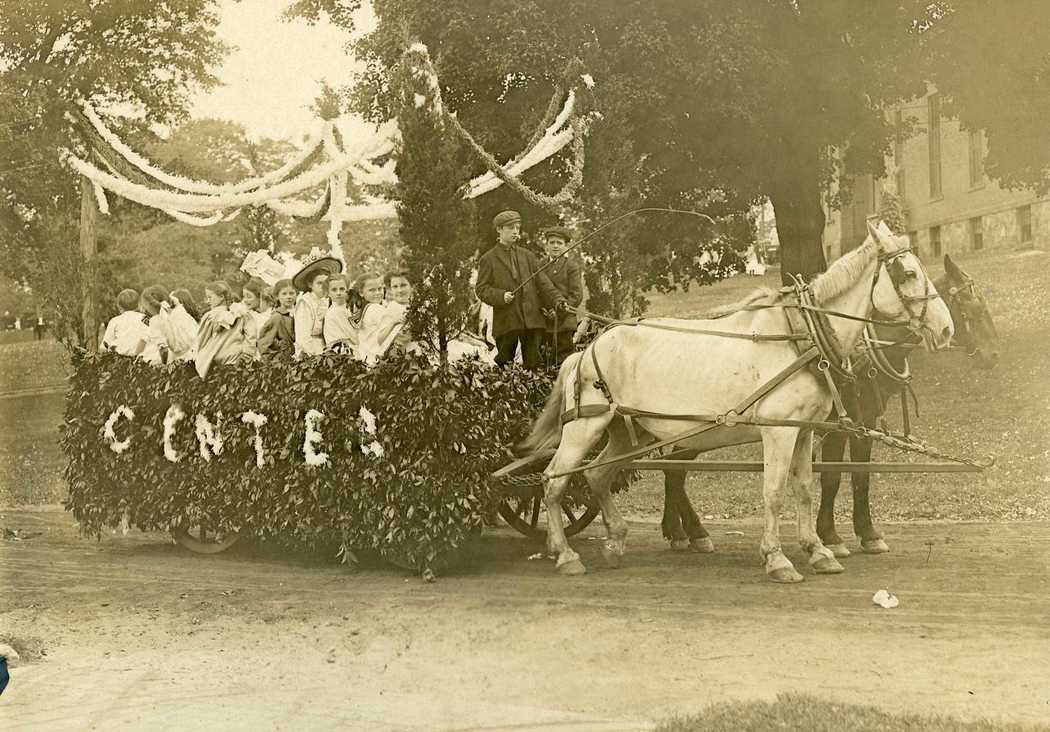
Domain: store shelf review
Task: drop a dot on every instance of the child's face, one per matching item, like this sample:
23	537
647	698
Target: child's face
372	291
213	299
249	299
400	290
337	291
509	234
286	298
555	246
319	285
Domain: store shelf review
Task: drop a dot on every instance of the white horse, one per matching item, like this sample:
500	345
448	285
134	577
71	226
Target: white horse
667	367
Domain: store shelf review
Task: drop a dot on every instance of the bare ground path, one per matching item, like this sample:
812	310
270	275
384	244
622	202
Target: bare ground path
139	634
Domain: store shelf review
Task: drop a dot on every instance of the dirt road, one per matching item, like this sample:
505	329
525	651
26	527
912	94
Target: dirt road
139	634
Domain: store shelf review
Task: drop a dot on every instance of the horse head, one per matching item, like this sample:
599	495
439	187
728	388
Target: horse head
975	330
902	290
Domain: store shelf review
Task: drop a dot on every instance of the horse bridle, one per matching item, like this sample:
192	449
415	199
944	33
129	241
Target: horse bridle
955	295
895	270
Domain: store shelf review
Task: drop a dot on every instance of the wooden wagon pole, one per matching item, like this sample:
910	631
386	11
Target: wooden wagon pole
88	248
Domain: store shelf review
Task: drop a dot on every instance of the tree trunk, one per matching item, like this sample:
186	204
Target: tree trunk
800	224
88	248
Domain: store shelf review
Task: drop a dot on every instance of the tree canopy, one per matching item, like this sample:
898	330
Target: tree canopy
145	58
751	99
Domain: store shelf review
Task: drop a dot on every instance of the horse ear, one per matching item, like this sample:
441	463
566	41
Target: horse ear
953	269
876	234
885	230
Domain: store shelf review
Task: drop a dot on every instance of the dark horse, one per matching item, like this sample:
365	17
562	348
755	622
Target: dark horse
974	332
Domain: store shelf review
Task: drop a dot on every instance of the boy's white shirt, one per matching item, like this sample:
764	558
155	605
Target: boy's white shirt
125	332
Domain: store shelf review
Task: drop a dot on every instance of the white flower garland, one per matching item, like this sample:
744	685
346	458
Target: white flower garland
108	433
256	420
375	449
313	439
171	418
198	203
197	186
368	420
208	436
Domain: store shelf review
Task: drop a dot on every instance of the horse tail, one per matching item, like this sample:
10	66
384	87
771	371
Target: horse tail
546	430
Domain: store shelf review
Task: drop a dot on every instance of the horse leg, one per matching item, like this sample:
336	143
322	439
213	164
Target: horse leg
576	438
832	450
801	478
699	540
778	445
600	481
870	539
671	524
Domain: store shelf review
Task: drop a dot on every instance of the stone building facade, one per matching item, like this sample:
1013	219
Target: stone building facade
949	204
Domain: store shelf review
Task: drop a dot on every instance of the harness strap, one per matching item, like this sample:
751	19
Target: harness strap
732	417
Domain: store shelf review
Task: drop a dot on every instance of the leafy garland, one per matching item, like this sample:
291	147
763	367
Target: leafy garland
409	447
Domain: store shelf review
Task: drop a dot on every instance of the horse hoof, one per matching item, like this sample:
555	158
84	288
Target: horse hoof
828	565
785	575
874	546
703	545
679	545
572	568
613	560
839	550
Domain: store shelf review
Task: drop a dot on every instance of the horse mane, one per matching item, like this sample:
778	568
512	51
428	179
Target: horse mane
763	295
844	272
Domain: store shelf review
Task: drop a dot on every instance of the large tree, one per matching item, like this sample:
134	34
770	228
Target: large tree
117	54
767	98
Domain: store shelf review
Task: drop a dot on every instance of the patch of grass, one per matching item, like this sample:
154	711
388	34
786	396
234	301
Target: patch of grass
31	462
29	648
800	711
29	364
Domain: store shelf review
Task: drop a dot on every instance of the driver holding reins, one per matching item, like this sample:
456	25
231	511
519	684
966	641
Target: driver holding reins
510	281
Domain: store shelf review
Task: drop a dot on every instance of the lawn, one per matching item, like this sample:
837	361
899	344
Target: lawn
1005	413
802	712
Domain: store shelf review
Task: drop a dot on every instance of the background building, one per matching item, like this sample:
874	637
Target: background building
948	203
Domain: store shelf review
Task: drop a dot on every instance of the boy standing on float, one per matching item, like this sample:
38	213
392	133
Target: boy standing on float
566	275
517	315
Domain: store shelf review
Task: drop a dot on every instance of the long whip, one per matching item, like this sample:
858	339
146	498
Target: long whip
604	226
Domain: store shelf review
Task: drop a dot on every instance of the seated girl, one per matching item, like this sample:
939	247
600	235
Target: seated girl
340	330
254	297
158	328
399	295
182	325
126	333
227	332
278	335
312	281
379	325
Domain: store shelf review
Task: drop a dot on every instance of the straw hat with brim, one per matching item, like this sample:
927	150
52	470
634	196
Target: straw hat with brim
326	265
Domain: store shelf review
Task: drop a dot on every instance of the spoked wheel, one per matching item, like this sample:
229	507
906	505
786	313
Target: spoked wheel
523	507
201	540
529	517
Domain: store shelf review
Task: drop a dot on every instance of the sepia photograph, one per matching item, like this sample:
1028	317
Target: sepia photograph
532	365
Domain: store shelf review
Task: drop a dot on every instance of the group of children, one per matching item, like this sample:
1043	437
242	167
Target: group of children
314	312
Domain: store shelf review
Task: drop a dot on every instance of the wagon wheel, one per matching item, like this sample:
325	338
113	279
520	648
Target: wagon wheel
524	511
201	540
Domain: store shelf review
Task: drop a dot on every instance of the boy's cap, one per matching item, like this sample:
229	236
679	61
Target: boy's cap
506	218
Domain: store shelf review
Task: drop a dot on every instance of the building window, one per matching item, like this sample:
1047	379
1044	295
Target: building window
1024	222
935	241
874	194
913	242
901	193
976	158
977	233
935	145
